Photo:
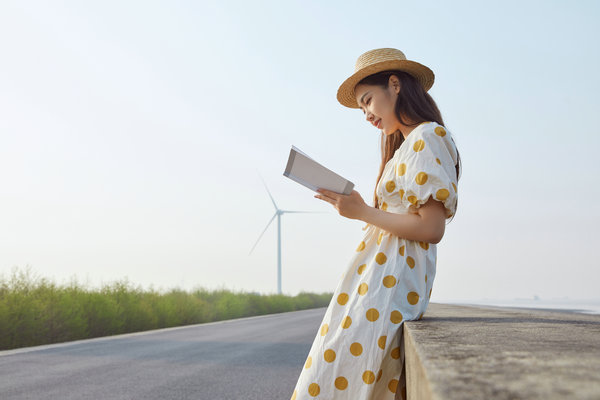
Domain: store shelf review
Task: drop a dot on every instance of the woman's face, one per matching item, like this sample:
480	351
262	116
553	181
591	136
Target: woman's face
378	103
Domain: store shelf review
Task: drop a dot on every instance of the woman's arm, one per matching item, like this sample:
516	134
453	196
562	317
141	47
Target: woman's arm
427	224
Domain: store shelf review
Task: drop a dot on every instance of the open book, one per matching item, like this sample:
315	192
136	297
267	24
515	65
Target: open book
306	171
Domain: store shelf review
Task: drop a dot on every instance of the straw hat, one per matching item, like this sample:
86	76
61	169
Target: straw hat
378	60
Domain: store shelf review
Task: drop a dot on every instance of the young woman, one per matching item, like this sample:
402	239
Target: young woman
357	353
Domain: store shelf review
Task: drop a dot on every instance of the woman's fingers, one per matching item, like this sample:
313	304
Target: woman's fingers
326	195
329	193
327	199
349	206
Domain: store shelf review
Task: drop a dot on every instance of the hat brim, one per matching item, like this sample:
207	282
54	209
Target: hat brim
345	93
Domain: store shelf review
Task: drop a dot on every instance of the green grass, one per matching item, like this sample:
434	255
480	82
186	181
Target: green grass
35	310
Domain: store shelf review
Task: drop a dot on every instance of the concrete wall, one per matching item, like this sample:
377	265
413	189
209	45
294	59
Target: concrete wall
486	352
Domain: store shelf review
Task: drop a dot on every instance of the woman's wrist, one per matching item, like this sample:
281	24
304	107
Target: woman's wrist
367	214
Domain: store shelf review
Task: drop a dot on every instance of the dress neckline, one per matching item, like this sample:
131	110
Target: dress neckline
390	161
411	132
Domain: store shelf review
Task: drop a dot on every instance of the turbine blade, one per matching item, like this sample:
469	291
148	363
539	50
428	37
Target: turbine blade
269	192
306	212
263	232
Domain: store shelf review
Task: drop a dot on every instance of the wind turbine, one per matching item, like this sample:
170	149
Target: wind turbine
278	213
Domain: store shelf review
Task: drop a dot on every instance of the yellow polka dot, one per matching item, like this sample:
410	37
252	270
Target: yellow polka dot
346	322
401	193
421	178
437	160
419	145
442	194
401	251
314	390
368	377
361	246
410	261
361	268
440	131
380	258
342	299
395	353
294	395
401	170
363	288
381	342
412	297
379	238
356	349
379	375
430	292
425	278
420	317
372	314
329	355
396	317
390	186
412	199
308	362
393	385
454	186
424	245
384	206
389	281
324	329
341	383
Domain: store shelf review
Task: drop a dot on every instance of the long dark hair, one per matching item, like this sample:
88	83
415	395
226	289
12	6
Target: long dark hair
413	103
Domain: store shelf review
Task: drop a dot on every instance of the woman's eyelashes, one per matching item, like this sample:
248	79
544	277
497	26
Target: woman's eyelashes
367	103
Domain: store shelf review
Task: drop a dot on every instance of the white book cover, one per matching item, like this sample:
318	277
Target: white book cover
307	172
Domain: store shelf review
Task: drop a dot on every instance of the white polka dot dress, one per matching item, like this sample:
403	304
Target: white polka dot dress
356	353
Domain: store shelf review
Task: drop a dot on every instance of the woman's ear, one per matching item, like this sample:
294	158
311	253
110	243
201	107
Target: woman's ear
394	83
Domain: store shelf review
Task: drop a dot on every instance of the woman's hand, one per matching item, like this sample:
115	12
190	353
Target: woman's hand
348	205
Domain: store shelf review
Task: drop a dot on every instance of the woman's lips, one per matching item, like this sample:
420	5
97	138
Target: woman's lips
378	124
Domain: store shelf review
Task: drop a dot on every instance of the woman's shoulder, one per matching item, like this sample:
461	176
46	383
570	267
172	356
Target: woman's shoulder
423	131
431	136
428	129
432	131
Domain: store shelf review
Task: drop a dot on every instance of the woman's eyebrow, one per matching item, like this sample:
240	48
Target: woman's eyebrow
363	96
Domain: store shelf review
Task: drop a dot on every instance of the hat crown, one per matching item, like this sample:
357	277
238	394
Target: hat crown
378	55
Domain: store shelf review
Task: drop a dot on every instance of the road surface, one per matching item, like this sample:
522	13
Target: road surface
248	358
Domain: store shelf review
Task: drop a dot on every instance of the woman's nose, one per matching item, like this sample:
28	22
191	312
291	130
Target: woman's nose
369	117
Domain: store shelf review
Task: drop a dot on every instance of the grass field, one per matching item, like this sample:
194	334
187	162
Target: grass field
35	310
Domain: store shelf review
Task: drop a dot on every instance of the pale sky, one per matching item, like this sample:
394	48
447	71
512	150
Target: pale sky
132	136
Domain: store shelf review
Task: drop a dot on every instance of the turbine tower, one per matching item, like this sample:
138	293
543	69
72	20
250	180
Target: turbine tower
278	213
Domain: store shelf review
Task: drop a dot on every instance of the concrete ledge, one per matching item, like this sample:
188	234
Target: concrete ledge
487	352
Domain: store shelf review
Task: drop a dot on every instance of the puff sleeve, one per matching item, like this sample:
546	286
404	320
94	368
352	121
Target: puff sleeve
428	169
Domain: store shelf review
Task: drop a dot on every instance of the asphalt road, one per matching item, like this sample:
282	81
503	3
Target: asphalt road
248	358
